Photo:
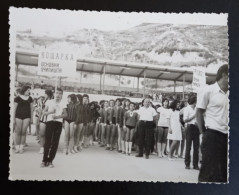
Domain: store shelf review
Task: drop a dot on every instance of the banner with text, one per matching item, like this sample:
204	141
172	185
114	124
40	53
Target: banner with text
57	63
199	79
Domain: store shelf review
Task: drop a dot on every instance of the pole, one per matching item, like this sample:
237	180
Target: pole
183	85
137	83
100	82
174	88
103	81
119	80
144	82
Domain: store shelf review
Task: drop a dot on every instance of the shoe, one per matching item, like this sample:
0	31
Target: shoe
107	148
25	145
175	156
21	151
119	151
51	165
138	155
111	149
129	154
164	156
41	150
154	153
102	145
123	152
72	151
147	156
43	164
196	168
16	151
187	167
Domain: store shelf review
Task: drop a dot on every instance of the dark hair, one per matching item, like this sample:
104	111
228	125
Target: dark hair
120	101
132	103
79	97
182	105
192	100
59	89
73	98
85	95
24	89
221	70
49	93
165	99
173	105
92	103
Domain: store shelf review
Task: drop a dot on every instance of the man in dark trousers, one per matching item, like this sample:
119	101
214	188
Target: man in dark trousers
212	118
192	133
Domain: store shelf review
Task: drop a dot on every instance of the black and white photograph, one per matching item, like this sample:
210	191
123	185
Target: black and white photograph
118	96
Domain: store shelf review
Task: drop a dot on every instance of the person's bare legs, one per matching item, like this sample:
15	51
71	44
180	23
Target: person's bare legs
18	133
42	130
25	125
119	138
71	137
67	137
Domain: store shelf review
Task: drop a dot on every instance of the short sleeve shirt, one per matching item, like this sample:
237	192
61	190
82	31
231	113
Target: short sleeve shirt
216	105
188	112
146	114
163	117
57	107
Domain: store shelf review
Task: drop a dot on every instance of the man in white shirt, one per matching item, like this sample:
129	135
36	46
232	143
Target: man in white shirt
54	112
192	133
147	117
212	118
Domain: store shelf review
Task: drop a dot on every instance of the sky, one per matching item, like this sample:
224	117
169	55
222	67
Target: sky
60	22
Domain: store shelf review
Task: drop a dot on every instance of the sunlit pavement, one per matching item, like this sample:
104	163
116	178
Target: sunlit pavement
96	163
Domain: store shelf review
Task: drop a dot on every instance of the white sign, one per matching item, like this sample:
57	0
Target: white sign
199	79
57	63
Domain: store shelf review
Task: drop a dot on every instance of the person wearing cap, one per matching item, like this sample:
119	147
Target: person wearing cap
212	119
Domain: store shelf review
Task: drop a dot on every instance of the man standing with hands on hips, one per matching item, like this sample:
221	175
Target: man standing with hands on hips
212	119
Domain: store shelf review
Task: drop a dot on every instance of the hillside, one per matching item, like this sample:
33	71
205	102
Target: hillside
163	44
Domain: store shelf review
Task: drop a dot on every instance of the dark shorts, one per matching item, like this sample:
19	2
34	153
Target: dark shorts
130	127
114	121
69	121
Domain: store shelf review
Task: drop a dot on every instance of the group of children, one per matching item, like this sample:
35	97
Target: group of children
115	124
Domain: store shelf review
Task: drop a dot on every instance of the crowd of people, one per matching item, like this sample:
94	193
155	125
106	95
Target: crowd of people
117	124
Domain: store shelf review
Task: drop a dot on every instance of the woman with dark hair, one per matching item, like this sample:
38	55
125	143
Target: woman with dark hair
162	129
70	124
97	125
22	117
79	98
42	119
104	122
118	111
123	130
94	115
130	120
175	134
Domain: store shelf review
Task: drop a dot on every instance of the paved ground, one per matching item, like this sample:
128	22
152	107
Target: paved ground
96	163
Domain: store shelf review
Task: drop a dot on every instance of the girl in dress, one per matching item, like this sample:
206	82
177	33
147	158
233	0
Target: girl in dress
175	133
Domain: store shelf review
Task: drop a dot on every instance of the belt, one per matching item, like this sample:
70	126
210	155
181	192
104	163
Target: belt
146	121
216	132
192	125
